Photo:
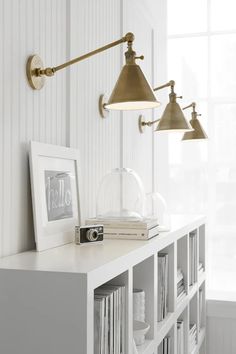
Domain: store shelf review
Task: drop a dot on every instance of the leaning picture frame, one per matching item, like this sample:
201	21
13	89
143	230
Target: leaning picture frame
54	174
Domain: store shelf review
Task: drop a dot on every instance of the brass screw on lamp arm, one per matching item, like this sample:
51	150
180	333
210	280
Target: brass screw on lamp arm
172	118
132	91
198	132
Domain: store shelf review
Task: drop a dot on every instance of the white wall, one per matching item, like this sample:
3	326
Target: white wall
221	325
65	111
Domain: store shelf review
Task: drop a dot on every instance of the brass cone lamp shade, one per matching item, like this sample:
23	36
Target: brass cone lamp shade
197	133
173	118
132	91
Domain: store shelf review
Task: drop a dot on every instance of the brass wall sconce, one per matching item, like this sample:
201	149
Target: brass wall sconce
132	90
198	132
172	118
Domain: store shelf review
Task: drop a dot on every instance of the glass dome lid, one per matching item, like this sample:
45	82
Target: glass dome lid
121	196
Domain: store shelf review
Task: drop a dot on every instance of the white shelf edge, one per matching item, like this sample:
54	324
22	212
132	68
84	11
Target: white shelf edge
147	348
201	278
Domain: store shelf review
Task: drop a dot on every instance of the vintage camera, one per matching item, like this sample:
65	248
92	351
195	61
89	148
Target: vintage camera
88	233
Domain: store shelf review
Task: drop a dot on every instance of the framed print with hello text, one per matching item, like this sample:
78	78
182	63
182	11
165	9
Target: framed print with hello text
54	172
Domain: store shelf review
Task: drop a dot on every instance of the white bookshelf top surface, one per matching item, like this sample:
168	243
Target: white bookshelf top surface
87	258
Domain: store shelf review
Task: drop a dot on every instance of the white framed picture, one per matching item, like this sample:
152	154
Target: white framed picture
54	173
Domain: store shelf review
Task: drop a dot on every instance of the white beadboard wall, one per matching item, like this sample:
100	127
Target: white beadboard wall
27	27
65	111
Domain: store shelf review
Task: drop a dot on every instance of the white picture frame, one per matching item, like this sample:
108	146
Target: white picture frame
54	174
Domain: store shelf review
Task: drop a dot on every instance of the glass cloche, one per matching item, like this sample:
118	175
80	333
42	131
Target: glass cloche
156	208
121	196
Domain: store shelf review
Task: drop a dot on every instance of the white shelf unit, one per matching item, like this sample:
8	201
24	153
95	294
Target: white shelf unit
47	298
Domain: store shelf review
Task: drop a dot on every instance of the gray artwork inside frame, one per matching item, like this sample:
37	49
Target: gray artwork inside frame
58	195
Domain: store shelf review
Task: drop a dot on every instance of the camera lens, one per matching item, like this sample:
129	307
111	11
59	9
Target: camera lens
92	235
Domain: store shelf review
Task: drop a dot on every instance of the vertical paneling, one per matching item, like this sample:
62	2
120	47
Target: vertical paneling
27	27
221	334
98	139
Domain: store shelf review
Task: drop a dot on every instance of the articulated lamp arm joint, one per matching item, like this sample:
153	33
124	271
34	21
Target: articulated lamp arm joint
193	104
171	84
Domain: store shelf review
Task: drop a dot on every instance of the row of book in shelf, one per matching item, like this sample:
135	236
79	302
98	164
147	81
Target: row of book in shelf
194	265
109	320
192	336
109	312
165	346
181	292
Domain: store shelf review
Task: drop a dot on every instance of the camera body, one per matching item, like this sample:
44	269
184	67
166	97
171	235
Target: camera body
88	234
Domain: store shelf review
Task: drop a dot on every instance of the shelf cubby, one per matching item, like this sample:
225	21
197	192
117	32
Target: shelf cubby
143	275
128	263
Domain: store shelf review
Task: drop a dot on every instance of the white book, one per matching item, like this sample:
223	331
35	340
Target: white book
166	285
118	317
103	291
162	285
160	289
106	326
180	337
99	305
200	308
192	258
130	234
105	323
123	320
145	224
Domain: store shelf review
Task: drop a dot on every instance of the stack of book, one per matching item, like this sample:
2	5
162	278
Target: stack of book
165	346
200	268
200	308
192	258
162	285
109	320
180	337
180	285
192	337
123	229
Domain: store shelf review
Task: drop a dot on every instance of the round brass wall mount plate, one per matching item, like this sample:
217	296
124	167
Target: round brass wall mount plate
141	121
34	62
102	106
